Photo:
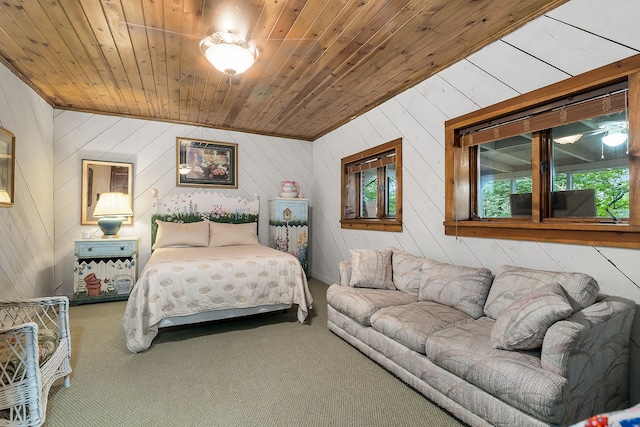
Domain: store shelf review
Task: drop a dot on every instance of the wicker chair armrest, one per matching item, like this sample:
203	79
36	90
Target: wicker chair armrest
47	312
19	354
36	302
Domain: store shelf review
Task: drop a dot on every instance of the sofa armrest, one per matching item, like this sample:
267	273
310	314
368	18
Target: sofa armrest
591	350
345	272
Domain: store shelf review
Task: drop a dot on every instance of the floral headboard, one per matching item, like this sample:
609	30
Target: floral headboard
200	205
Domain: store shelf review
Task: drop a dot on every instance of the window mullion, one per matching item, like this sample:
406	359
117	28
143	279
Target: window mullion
382	199
634	148
542	185
537	176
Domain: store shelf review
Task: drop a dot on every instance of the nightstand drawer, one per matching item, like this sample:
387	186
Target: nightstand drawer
91	249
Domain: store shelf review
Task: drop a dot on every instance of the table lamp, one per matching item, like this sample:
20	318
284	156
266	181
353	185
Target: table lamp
111	210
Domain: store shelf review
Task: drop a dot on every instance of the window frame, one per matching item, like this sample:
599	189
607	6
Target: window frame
382	222
460	194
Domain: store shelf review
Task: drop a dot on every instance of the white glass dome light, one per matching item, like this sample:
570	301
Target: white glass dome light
615	133
228	52
614	138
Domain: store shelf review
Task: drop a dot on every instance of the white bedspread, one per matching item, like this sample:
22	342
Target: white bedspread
185	281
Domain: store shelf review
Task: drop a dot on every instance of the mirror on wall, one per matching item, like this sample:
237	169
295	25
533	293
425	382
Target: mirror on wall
7	167
104	177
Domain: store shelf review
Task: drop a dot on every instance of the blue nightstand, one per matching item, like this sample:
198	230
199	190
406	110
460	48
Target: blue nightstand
104	269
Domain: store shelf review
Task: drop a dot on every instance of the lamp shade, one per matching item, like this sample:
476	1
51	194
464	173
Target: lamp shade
111	210
113	204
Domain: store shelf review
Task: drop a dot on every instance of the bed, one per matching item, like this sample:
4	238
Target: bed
207	265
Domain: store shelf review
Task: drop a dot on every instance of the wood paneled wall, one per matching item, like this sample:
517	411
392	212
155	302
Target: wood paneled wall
151	146
26	229
576	37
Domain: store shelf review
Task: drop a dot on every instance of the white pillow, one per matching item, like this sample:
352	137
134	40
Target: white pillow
371	268
225	234
181	234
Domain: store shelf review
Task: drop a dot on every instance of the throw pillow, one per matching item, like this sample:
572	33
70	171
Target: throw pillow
371	268
523	324
180	234
459	287
512	283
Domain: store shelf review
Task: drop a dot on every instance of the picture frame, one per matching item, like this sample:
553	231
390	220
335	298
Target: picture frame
99	176
203	163
7	167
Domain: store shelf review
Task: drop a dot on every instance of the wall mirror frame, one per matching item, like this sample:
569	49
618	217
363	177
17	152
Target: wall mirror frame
100	177
7	167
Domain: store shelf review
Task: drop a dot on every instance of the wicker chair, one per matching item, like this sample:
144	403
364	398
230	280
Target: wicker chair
35	350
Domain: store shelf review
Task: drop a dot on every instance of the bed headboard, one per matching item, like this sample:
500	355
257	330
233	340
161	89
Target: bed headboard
200	205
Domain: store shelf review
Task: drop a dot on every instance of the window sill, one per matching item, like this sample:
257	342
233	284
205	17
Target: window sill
371	224
580	233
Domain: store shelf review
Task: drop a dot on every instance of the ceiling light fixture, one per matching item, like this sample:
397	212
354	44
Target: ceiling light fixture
615	133
228	52
615	138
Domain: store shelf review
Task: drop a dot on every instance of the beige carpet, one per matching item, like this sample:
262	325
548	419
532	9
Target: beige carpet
263	371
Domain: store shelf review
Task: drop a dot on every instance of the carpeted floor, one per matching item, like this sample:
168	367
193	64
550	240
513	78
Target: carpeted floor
263	371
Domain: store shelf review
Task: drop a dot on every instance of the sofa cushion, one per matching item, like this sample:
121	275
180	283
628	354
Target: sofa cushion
360	304
411	324
463	288
407	271
515	377
371	268
512	283
522	325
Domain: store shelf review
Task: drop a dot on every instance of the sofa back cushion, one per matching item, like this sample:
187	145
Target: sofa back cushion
407	271
460	287
512	283
371	268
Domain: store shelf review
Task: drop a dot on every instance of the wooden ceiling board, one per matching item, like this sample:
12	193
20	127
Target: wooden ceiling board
320	62
287	58
122	38
41	71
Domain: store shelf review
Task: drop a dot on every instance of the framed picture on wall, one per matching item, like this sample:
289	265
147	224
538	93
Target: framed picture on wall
206	163
7	167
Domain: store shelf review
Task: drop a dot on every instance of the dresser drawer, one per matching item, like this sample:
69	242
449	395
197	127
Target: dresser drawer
92	249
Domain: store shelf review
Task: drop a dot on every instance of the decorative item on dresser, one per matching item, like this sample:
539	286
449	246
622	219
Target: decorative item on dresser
112	209
104	270
289	228
208	264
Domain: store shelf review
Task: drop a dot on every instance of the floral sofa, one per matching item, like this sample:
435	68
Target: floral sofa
524	348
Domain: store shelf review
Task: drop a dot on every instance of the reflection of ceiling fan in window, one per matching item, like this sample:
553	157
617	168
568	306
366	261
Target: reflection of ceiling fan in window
614	133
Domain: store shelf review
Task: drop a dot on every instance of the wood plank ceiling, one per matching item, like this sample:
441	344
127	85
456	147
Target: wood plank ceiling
320	62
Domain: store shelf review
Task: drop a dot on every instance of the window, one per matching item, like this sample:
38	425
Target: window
551	165
372	188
